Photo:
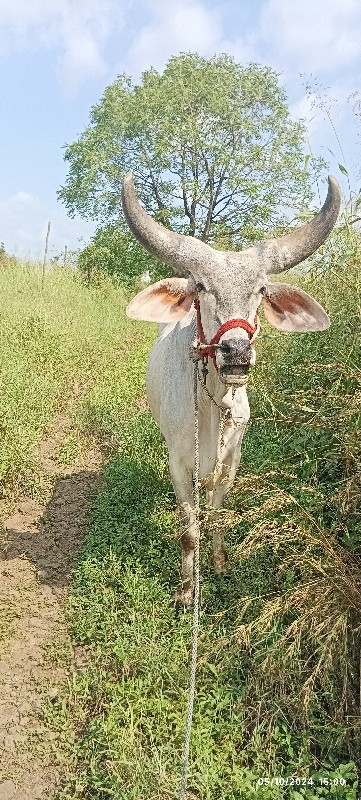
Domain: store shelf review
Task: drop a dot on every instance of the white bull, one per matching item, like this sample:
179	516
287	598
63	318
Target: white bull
228	288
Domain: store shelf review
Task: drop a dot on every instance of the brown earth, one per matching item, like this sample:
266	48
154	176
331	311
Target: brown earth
38	549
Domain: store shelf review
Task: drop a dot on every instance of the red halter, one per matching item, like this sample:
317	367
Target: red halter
227	326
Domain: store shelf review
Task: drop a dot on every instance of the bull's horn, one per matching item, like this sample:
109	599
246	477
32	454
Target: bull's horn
294	247
180	252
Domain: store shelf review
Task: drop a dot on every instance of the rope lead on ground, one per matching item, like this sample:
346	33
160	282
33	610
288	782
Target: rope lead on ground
193	667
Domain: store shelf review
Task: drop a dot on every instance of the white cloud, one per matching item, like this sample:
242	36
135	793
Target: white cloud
187	25
320	36
81	59
24	222
77	29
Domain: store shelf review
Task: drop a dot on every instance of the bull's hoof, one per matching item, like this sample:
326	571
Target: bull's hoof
184	598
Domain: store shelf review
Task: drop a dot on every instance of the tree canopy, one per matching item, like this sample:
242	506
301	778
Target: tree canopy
211	144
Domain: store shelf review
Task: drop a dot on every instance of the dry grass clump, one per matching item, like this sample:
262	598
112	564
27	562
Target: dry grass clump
320	616
303	642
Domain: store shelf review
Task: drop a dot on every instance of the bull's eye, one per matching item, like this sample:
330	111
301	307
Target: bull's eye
200	287
263	290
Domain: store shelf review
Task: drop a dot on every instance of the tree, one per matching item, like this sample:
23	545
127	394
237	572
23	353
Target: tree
212	146
118	253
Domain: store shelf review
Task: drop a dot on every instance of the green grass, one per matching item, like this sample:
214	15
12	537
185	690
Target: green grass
277	683
54	342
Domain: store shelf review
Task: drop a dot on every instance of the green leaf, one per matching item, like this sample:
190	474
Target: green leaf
342	169
212	669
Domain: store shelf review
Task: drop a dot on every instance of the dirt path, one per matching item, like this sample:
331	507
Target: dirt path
38	547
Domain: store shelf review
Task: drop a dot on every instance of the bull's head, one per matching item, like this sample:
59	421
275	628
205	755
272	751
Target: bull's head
230	285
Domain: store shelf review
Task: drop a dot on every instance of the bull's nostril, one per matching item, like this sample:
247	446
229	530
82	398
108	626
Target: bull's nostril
226	347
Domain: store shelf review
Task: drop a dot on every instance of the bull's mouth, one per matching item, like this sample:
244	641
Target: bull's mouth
234	373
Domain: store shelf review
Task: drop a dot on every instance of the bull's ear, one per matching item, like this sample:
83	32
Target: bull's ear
291	309
164	301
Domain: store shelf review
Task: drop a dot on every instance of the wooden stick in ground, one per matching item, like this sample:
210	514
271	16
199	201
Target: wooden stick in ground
65	255
45	255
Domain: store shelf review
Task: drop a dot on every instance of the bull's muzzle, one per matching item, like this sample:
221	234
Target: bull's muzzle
234	358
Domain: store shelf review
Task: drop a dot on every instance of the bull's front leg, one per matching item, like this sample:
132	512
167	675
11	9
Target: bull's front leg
216	523
182	479
216	496
188	540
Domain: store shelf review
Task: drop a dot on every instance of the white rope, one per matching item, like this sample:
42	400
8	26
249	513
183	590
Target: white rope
193	667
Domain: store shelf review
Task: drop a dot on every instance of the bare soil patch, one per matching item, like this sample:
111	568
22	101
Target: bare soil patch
38	549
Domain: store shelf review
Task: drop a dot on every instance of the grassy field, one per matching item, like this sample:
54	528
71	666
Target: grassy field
278	679
54	342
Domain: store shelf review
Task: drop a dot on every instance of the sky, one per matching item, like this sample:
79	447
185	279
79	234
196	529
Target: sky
58	56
